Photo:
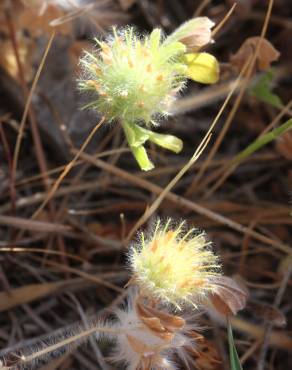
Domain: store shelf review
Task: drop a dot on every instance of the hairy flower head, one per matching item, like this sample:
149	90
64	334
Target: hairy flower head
174	265
134	79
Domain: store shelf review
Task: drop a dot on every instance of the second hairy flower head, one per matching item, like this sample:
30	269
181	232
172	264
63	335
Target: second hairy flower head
174	265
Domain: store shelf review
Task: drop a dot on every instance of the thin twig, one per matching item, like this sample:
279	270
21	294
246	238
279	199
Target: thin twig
248	68
67	170
149	211
183	202
27	105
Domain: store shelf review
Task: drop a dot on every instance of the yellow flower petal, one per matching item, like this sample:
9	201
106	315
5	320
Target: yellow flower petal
202	67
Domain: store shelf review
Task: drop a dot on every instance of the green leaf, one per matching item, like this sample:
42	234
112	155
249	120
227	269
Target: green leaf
202	67
262	141
169	142
166	141
233	356
262	90
141	157
137	136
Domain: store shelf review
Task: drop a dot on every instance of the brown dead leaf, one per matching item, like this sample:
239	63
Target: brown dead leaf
39	23
229	297
266	55
29	22
267	312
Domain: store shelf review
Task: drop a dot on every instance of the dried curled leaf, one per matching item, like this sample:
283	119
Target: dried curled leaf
266	55
198	35
194	33
267	312
229	297
37	19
